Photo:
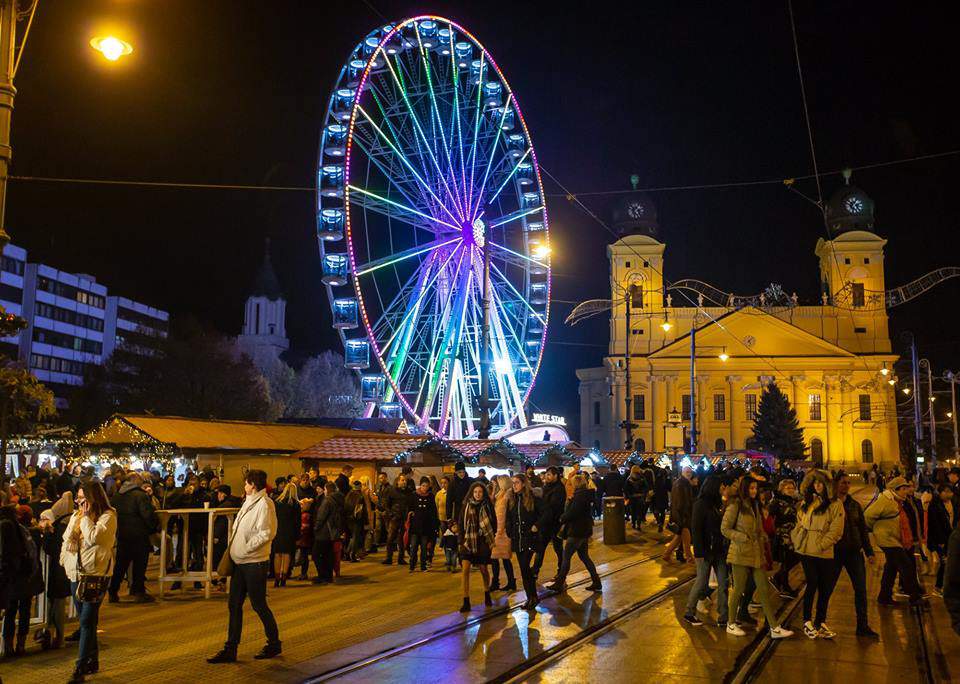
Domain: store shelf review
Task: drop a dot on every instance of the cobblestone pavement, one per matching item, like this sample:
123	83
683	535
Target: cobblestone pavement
169	640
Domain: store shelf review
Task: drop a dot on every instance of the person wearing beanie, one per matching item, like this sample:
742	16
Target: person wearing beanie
887	520
459	487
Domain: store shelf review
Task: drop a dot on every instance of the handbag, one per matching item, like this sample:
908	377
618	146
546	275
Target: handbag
92	588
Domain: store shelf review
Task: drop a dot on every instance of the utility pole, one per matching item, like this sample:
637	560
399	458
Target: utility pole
628	417
915	377
951	377
693	386
8	39
484	431
933	416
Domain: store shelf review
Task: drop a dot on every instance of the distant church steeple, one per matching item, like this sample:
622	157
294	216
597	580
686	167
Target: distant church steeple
264	336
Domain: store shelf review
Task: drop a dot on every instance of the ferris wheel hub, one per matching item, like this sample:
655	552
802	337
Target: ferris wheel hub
475	233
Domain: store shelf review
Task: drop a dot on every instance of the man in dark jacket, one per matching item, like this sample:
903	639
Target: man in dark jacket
553	499
326	529
396	504
709	549
136	521
578	519
783	508
424	523
951	587
459	487
849	552
343	480
942	518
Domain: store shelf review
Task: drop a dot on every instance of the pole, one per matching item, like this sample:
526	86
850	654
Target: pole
693	387
8	39
933	415
628	418
484	431
915	374
953	410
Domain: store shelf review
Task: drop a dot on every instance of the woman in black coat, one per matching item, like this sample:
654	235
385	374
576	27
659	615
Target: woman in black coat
53	523
288	529
577	519
941	520
522	519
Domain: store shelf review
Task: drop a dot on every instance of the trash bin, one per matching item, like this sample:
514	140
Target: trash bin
614	525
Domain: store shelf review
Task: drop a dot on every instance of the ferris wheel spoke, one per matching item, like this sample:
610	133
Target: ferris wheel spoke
400	183
395	205
371	266
506	180
455	77
476	128
493	149
520	297
409	166
416	123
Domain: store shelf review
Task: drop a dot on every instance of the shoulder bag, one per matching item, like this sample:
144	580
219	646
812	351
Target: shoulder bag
91	588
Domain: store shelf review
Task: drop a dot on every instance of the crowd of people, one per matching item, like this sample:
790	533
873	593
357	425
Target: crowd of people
744	527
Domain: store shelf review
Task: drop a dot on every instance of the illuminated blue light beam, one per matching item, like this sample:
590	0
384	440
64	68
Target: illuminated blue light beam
509	176
402	206
514	216
371	266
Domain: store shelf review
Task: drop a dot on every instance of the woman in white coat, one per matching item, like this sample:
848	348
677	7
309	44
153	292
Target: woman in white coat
88	548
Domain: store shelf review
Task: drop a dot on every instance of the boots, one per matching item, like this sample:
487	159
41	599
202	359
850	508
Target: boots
21	648
276	582
8	651
487	601
284	578
465	607
226	655
510	586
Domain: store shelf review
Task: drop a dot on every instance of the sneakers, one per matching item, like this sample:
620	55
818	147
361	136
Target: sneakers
703	606
825	632
810	631
594	586
779	632
224	656
865	631
734	629
268	651
692	619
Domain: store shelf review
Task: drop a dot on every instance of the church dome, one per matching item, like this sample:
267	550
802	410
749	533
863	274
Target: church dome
850	208
635	214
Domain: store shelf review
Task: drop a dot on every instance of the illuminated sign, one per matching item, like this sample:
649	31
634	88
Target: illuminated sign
548	418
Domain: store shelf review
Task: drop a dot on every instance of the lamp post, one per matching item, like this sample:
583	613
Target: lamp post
951	377
925	363
8	39
915	377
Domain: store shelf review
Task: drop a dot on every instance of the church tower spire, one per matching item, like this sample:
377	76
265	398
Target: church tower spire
264	335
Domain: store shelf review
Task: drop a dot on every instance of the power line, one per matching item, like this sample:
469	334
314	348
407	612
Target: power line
163	184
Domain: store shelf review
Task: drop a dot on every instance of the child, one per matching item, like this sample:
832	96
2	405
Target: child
449	544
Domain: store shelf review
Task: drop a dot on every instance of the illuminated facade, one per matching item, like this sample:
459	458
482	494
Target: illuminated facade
832	360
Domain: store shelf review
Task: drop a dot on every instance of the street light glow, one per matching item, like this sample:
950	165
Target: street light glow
723	356
541	252
906	390
666	325
111	47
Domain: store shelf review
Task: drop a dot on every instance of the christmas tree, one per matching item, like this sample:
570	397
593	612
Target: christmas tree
775	428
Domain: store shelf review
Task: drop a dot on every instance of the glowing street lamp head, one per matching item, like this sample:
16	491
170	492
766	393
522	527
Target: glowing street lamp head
541	252
723	356
111	47
906	390
666	325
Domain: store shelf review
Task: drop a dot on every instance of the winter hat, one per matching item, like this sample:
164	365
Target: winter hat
459	466
895	483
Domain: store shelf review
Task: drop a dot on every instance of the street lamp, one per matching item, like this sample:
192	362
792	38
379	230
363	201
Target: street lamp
906	390
111	47
723	356
541	252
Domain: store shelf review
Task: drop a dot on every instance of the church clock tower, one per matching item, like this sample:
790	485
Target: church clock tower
264	336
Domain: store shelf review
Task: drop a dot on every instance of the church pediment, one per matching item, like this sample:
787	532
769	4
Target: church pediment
752	332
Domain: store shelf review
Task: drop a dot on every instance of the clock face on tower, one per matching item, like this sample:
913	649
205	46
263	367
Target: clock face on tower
636	210
853	205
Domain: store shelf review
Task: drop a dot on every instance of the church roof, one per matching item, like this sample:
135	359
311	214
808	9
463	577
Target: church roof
266	284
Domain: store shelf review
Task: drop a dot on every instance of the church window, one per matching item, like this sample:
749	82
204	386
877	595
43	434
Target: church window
751	403
646	264
640	446
596	413
639	407
859	330
636	296
866	261
272	328
719	408
816	451
859	297
720	445
637	331
685	407
847	261
813	401
256	323
865	412
866	450
628	264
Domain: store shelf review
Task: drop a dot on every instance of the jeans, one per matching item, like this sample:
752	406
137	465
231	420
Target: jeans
941	551
789	558
137	552
576	545
323	559
759	575
56	615
525	560
89	614
853	563
249	579
557	549
898	561
821	577
701	583
637	512
450	556
395	539
418	547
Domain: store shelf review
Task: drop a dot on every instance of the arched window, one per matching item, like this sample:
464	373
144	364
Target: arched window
720	445
596	443
866	450
816	451
640	446
750	443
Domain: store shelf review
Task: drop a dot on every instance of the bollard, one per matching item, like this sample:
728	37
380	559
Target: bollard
614	525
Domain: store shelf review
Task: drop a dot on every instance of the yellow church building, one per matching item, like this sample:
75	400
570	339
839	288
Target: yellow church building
832	360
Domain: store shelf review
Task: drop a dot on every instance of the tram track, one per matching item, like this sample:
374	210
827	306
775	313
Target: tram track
755	655
393	651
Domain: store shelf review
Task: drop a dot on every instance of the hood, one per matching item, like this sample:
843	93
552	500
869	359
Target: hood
814	475
62	507
710	490
129	484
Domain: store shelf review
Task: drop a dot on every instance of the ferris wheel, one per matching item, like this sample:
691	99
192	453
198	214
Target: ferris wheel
430	204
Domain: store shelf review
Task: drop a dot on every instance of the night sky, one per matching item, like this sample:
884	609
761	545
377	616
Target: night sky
679	93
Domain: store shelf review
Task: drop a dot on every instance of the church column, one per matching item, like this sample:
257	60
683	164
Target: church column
833	447
703	420
732	381
658	410
849	412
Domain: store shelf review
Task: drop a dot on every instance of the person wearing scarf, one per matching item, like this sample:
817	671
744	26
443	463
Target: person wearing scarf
478	529
887	520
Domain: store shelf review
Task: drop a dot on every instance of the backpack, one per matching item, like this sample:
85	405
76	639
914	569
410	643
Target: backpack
31	574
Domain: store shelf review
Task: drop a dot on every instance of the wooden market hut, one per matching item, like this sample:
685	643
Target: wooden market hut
236	446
